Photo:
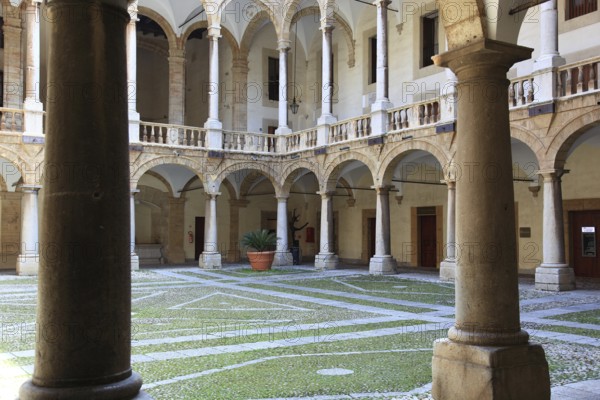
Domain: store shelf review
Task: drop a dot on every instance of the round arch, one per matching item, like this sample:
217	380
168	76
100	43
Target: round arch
556	154
262	167
192	165
253	27
235	48
21	166
332	173
394	156
291	172
534	143
163	23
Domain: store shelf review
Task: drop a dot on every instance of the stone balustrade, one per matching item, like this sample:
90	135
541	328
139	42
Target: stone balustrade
11	119
414	115
301	140
578	78
249	142
521	91
175	135
349	129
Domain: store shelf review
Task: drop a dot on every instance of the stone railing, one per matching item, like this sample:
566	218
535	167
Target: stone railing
11	119
174	135
301	140
577	78
348	129
249	142
414	115
521	91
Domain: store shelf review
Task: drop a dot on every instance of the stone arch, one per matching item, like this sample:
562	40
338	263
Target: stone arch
263	167
174	43
331	174
267	10
21	166
290	173
339	21
136	173
556	154
530	139
162	180
204	25
253	27
391	159
249	181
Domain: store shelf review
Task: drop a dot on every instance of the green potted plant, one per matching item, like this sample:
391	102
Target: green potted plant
263	242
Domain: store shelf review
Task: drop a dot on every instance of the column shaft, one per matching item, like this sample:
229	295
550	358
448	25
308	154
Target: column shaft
210	257
135	260
326	259
327	84
284	46
28	261
132	57
213	53
382	262
282	253
32	77
382	51
13	68
84	311
448	266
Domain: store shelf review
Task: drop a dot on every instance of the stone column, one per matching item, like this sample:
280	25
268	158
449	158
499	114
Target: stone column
326	259
554	273
13	68
282	253
379	117
83	340
486	355
545	66
33	107
233	254
382	262
28	262
134	115
284	47
176	86
326	117
213	125
239	69
175	253
448	266
135	259
210	257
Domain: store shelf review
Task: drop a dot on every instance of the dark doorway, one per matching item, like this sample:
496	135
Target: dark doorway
585	242
371	236
427	241
199	237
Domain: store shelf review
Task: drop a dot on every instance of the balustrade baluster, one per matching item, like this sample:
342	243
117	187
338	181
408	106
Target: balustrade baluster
511	95
521	93
530	94
569	83
592	77
580	79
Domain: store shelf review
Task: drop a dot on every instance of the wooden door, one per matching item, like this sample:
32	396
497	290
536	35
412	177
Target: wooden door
199	237
585	244
427	241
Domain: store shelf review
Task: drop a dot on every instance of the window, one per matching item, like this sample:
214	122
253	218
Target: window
273	79
372	59
577	8
429	26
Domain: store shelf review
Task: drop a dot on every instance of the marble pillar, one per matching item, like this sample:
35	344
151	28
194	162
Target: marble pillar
382	262
134	115
28	261
213	124
284	47
326	259
448	266
211	257
379	116
282	252
135	259
32	106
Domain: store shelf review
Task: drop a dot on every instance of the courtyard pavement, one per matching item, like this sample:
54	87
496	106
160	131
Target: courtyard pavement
541	314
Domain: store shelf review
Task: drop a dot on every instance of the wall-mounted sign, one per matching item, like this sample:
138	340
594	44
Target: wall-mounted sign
588	241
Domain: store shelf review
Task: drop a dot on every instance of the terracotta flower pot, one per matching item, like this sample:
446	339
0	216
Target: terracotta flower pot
261	260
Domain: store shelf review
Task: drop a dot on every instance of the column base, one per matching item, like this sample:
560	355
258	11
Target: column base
382	265
135	262
210	261
126	389
34	118
28	264
448	270
283	258
467	372
325	261
554	277
282	130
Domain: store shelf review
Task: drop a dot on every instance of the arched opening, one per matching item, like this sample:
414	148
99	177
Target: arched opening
196	77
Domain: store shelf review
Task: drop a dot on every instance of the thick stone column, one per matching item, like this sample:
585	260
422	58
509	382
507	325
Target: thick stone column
545	66
486	355
448	266
33	107
210	257
83	340
382	262
326	259
134	115
282	253
176	86
326	117
135	259
212	124
175	253
554	273
239	69
379	117
284	47
28	262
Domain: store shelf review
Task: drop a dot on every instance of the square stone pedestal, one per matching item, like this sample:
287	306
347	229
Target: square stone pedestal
448	270
554	278
382	265
324	261
28	264
467	372
283	258
210	261
135	262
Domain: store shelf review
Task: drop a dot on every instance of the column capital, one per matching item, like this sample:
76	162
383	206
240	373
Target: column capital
283	45
326	193
133	192
327	26
213	195
382	3
25	188
467	61
550	175
282	198
214	32
451	183
382	189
